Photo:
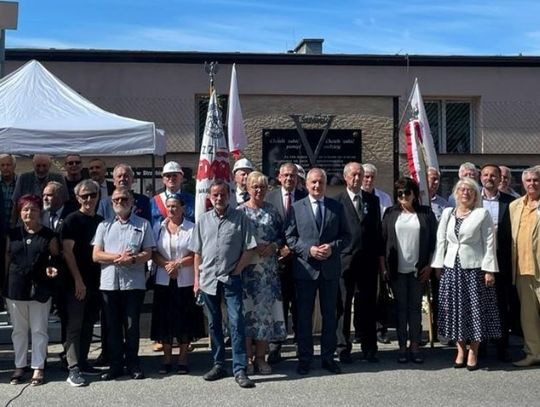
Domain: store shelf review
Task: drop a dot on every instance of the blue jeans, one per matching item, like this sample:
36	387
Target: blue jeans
232	293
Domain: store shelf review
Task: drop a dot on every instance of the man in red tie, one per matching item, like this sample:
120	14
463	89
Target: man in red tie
282	199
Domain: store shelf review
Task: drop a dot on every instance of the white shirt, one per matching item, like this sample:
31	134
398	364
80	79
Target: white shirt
492	206
408	239
173	247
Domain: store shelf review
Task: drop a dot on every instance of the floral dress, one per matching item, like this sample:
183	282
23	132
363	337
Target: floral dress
263	307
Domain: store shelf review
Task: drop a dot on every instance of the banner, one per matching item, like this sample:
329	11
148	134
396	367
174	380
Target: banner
235	122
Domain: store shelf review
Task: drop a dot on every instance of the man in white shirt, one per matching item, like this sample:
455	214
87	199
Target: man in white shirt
241	170
368	185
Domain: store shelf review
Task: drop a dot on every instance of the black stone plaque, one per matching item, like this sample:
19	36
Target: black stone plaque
286	145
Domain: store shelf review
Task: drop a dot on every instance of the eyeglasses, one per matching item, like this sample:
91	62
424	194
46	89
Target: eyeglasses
171	175
258	187
91	195
403	192
73	162
121	199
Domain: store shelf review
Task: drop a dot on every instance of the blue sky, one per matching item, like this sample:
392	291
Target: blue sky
456	27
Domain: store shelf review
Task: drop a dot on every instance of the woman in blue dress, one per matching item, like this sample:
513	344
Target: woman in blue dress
263	307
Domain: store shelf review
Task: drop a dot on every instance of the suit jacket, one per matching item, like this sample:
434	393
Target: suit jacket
504	234
475	243
365	243
516	208
28	183
428	237
302	233
275	198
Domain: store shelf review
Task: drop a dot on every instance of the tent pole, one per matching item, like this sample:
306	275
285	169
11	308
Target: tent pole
153	173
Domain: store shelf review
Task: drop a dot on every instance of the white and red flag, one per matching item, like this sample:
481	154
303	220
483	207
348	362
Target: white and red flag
214	158
235	120
421	152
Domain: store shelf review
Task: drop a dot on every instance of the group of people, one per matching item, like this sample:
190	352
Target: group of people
92	247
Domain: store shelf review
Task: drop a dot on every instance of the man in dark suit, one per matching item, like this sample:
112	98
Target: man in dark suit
360	263
282	199
316	233
97	169
497	203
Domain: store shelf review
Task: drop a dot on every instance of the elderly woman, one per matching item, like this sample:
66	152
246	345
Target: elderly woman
409	233
263	307
466	253
29	250
175	314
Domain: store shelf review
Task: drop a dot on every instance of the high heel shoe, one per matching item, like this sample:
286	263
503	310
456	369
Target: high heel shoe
461	365
472	368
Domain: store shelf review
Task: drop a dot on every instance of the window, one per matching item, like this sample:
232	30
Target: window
450	122
202	110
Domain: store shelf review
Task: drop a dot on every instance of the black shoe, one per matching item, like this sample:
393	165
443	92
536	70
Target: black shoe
101	361
244	381
460	365
217	372
111	375
383	338
88	370
371	357
75	378
345	357
303	368
137	373
503	356
417	357
472	368
274	356
331	366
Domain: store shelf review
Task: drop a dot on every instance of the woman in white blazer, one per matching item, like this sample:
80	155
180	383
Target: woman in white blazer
466	253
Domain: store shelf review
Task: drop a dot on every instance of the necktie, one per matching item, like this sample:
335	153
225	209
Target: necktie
358	205
245	196
52	220
288	202
318	215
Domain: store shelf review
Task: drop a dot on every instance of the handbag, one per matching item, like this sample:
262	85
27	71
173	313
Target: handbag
39	293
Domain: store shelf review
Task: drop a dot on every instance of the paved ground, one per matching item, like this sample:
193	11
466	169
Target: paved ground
385	384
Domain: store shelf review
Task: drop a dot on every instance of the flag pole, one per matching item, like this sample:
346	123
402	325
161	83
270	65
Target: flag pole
408	103
211	69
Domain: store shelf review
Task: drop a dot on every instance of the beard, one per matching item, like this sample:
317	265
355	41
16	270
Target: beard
122	212
46	206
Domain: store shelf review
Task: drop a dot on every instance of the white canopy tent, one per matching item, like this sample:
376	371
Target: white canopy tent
41	114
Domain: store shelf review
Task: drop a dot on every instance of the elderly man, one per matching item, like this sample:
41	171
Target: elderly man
497	203
469	170
34	182
222	242
241	170
368	185
74	174
282	199
173	177
359	260
123	177
55	206
525	263
82	297
438	203
316	233
506	181
97	170
122	245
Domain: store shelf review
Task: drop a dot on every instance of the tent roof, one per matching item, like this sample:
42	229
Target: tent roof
41	114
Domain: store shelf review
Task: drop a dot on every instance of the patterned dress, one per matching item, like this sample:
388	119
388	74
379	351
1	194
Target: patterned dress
263	308
467	307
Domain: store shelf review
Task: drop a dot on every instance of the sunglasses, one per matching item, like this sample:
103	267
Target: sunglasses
120	200
91	195
403	192
73	162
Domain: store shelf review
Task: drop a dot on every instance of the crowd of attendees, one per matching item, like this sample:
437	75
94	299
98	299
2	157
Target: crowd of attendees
258	259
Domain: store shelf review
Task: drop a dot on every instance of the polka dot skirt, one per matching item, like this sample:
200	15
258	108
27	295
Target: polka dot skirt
467	308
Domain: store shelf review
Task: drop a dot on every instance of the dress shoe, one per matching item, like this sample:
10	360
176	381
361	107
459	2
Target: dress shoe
402	357
243	380
303	368
345	357
274	356
529	360
472	368
371	357
503	356
383	338
417	357
217	372
460	365
111	375
331	366
137	373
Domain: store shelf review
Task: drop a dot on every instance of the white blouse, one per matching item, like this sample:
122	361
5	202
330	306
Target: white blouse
408	239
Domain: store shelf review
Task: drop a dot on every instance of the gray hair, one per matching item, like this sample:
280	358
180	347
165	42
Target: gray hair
58	187
86	184
467	166
319	170
532	170
471	184
13	159
127	167
370	168
348	166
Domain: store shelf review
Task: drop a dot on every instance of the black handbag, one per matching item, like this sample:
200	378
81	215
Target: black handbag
39	293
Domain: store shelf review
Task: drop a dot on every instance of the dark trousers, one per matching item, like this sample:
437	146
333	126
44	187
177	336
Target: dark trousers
306	292
288	296
80	319
503	287
364	284
123	311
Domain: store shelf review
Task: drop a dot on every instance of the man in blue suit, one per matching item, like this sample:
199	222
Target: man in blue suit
316	233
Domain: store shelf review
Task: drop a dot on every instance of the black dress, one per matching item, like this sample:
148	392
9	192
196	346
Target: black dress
29	258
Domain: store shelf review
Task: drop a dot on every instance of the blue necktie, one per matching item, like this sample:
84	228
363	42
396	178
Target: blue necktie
318	215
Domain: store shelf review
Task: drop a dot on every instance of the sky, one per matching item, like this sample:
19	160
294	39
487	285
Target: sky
458	27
